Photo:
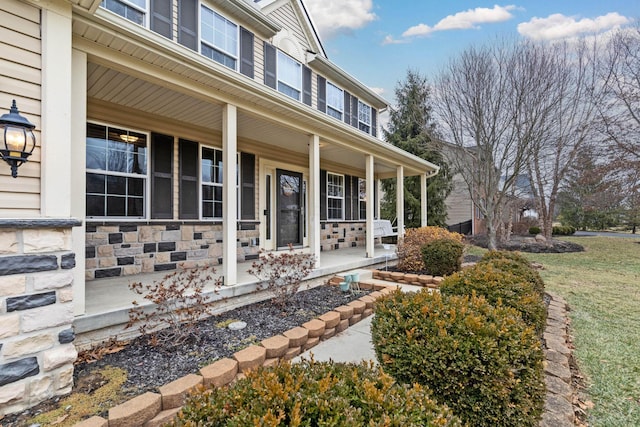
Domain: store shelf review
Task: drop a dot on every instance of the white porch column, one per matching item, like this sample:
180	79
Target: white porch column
371	208
377	198
229	195
423	200
400	200
314	196
78	176
56	111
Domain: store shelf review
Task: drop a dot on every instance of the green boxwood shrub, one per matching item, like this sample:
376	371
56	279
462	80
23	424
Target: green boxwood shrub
442	257
511	255
316	394
563	230
498	285
534	230
519	269
482	361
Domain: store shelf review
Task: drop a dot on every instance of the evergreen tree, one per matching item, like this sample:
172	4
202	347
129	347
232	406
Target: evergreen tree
411	128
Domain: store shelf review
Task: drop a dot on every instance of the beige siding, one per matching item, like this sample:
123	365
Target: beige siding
287	17
258	59
20	79
459	206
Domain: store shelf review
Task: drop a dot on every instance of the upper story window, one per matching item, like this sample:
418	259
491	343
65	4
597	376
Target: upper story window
289	76
335	196
116	163
219	38
364	117
133	10
335	101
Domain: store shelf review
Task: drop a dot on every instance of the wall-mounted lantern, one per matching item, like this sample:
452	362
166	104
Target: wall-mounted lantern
17	140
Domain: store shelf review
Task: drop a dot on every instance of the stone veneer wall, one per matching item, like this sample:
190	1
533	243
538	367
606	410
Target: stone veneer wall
119	249
36	311
340	235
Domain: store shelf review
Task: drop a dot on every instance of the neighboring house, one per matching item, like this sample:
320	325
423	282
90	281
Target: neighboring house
169	133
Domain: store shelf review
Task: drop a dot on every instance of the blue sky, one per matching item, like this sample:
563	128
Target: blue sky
378	40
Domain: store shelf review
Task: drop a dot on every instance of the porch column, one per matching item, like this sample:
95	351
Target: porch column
377	198
229	195
314	196
78	175
400	199
370	239
423	200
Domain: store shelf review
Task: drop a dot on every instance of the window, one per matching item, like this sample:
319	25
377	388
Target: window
212	180
335	196
219	38
133	10
289	76
116	163
335	101
362	198
364	117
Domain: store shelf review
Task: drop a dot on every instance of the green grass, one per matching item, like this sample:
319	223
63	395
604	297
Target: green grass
602	287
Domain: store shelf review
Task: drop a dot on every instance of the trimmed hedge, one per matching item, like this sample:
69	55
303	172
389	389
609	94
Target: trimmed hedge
513	256
409	247
519	269
316	394
534	230
482	361
500	286
563	230
442	257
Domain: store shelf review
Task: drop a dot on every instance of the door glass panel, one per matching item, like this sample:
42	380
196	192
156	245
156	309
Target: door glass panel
289	208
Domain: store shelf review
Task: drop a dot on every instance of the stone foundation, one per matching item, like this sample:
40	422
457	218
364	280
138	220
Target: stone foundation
117	249
340	235
36	312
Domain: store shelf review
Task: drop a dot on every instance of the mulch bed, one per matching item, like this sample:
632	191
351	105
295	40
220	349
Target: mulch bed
520	243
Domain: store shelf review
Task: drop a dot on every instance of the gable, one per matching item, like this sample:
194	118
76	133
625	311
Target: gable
296	24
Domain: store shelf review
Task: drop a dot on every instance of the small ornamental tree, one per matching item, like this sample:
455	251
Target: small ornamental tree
283	273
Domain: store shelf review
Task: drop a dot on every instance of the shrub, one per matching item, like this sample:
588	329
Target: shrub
481	361
521	270
563	230
513	256
283	273
409	247
316	394
178	302
534	230
442	256
499	286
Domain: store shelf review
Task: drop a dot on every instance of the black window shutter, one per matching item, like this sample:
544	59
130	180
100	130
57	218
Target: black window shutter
188	179
323	194
306	85
161	17
269	65
322	94
246	52
347	107
348	194
374	122
354	111
248	186
161	176
188	23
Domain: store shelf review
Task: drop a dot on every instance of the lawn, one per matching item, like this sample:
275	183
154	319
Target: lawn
602	287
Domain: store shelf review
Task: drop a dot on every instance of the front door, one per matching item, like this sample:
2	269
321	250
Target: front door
289	208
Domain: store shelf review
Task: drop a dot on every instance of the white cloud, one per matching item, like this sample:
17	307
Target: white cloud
558	26
390	40
333	17
464	20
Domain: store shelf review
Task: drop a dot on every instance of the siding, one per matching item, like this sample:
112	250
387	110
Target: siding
258	59
287	17
459	206
20	79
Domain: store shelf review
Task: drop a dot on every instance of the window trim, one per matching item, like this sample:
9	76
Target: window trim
362	200
201	183
145	12
147	176
201	40
360	122
329	196
278	81
328	104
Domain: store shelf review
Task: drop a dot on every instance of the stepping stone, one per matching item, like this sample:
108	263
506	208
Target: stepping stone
331	319
175	393
345	311
315	328
250	358
275	346
297	336
219	373
136	411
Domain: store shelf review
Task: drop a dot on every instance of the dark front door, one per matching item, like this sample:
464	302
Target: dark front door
289	206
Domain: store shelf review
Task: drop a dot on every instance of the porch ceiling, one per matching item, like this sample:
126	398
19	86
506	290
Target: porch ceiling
120	89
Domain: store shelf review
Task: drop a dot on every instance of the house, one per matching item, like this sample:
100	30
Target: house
169	134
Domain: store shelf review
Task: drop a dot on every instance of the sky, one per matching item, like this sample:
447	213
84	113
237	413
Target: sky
377	41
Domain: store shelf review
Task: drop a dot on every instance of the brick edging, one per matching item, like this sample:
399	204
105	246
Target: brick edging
156	409
423	280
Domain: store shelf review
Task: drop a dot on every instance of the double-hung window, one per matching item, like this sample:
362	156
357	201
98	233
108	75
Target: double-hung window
133	10
335	101
116	163
212	181
335	196
219	38
362	198
364	117
289	76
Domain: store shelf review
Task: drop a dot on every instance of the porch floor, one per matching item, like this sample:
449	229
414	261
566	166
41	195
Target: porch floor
107	301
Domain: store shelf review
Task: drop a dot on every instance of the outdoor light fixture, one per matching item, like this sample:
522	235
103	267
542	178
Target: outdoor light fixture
18	140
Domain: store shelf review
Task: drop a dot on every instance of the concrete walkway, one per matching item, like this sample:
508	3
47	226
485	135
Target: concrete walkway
353	344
